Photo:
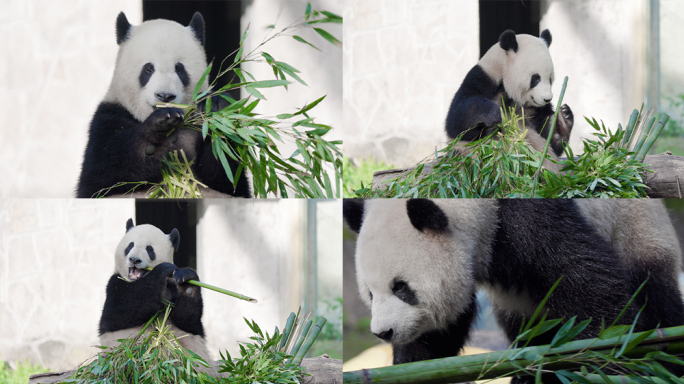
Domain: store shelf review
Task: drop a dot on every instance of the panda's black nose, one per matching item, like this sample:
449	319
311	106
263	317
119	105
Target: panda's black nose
547	100
385	335
165	97
134	260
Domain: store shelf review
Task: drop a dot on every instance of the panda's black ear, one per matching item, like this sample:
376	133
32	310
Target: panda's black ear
197	26
425	213
129	225
546	36
508	41
352	210
122	28
174	236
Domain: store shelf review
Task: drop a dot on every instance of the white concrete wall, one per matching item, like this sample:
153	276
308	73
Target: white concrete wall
403	62
56	257
57	64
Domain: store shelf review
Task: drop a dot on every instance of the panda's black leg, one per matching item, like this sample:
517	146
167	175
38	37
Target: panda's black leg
561	134
187	311
437	344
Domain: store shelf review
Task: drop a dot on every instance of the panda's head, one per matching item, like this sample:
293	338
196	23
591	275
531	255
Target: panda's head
417	261
523	63
144	246
158	61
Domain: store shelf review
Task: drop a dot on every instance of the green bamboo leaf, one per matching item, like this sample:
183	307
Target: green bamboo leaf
304	41
614	331
254	93
269	83
205	129
201	81
327	35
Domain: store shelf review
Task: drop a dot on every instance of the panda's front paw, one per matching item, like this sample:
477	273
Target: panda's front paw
165	119
184	274
165	269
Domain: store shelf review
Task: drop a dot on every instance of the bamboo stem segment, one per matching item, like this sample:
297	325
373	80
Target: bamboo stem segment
492	365
224	291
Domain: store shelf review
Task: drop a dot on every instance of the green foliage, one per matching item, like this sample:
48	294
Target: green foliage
604	169
239	133
155	356
503	164
356	176
261	361
152	357
21	374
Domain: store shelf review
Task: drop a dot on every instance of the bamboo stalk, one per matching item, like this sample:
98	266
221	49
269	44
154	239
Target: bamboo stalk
630	128
495	364
550	134
309	341
224	291
300	339
287	330
653	136
594	378
645	132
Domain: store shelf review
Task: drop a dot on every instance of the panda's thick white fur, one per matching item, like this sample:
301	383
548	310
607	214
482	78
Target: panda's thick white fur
519	70
143	247
162	43
420	262
449	265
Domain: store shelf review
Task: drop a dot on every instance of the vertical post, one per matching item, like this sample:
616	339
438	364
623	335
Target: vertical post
310	261
653	70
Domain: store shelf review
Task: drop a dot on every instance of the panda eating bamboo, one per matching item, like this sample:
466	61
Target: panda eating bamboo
159	61
144	279
518	69
420	262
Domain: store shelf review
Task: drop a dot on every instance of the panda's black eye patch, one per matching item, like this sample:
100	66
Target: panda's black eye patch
182	74
146	74
150	252
535	80
128	249
402	290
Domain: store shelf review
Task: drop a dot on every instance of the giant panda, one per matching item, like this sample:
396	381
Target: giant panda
158	61
135	294
420	262
519	69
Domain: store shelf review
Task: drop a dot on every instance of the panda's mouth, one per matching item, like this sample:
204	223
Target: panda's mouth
135	273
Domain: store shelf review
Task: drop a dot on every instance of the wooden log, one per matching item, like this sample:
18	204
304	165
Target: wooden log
323	370
666	181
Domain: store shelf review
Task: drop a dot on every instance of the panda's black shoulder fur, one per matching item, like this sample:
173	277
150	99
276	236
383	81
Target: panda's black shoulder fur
132	304
473	106
115	153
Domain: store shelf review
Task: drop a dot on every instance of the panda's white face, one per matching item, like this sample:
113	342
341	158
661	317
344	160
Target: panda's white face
528	73
417	281
159	61
143	246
